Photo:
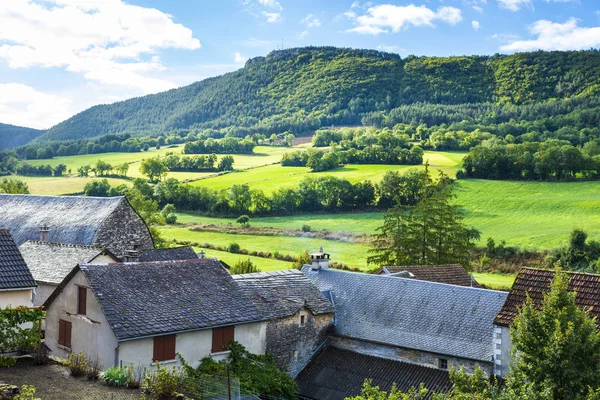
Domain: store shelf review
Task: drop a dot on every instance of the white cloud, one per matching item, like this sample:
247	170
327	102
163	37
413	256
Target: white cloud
238	58
476	25
390	49
109	42
514	5
386	17
272	17
311	21
556	36
562	1
271	4
302	34
478	9
23	105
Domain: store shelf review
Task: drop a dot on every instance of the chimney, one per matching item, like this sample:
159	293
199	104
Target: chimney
319	260
44	233
131	256
201	254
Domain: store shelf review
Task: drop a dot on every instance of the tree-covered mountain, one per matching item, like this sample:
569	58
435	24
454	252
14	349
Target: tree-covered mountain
305	88
13	136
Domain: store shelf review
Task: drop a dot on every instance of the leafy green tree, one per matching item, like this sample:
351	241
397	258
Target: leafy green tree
97	188
303	259
102	168
226	163
154	169
83	171
244	267
430	233
122	169
13	186
370	392
556	348
243	220
59	170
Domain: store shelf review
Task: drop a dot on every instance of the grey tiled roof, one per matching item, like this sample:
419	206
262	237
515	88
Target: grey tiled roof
52	262
176	253
14	273
427	316
71	219
145	299
280	294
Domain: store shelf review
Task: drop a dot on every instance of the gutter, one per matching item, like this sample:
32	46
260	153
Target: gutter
17	289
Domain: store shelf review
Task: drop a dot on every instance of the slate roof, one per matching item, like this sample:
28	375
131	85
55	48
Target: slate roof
176	253
536	282
452	274
51	262
280	294
146	299
71	219
335	374
14	273
427	316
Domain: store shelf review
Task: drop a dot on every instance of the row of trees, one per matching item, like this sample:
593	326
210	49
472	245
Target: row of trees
198	163
26	169
550	160
228	145
360	138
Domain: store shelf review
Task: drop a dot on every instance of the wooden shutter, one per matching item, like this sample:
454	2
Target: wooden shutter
81	308
159	348
68	334
169	347
61	332
217	339
228	335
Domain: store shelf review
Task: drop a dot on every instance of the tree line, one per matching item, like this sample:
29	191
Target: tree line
227	145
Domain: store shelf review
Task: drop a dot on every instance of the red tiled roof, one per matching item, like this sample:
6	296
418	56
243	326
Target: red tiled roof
452	274
536	282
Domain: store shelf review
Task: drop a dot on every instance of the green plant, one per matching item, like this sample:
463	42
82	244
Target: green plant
94	366
77	364
305	228
234	248
162	383
6	362
27	393
14	335
171	219
117	376
244	267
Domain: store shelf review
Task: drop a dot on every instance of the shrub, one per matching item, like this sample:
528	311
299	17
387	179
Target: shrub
305	228
77	364
162	383
171	219
6	362
244	267
117	376
27	393
233	248
94	366
243	220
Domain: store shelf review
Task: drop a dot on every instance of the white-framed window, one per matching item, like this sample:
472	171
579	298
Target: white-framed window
442	363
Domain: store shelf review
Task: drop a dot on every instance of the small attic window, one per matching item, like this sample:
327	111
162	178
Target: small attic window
302	320
443	363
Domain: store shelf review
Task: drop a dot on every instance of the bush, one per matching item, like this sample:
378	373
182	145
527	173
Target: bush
171	219
27	393
243	220
6	362
117	376
94	366
305	228
77	364
234	248
244	267
162	383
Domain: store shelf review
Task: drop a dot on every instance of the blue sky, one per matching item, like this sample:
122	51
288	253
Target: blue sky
59	57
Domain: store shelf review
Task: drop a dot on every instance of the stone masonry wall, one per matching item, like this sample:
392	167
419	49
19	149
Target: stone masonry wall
122	229
406	355
292	344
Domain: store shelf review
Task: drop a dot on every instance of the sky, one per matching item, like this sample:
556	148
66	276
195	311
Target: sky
60	57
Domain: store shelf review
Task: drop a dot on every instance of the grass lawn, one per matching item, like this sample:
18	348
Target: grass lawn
494	280
49	185
353	254
264	264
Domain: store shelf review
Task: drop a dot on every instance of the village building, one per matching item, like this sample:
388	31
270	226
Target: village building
107	222
50	263
16	282
452	274
535	283
299	315
422	328
168	254
146	312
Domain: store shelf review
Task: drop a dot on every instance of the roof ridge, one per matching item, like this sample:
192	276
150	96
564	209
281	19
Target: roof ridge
61	197
566	272
72	245
291	271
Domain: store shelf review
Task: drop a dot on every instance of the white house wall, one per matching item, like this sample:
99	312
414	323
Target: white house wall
90	333
16	298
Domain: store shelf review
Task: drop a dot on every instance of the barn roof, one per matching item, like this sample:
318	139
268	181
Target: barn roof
452	274
71	219
536	283
176	253
427	316
14	273
280	294
337	374
152	298
52	262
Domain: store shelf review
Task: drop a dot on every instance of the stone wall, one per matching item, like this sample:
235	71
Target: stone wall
406	355
502	348
123	229
292	343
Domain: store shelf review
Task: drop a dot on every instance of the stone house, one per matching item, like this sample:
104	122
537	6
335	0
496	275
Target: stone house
50	263
452	274
146	312
107	222
535	283
299	315
423	327
16	282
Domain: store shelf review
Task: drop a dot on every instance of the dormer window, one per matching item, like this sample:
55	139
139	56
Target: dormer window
302	320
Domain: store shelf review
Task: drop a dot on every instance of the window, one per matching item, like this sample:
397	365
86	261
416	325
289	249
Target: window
443	363
164	348
64	333
81	300
221	337
302	320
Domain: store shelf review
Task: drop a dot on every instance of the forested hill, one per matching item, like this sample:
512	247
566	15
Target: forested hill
13	136
305	88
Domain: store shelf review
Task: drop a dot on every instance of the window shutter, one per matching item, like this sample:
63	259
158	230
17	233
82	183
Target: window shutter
158	348
228	335
68	334
81	309
61	332
217	339
169	347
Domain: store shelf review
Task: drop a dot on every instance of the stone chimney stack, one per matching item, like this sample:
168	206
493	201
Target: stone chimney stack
319	260
44	233
131	256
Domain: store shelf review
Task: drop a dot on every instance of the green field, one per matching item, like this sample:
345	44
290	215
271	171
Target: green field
273	177
492	280
264	264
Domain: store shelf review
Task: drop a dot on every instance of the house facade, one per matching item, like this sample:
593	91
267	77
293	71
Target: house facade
107	222
143	313
50	263
17	285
